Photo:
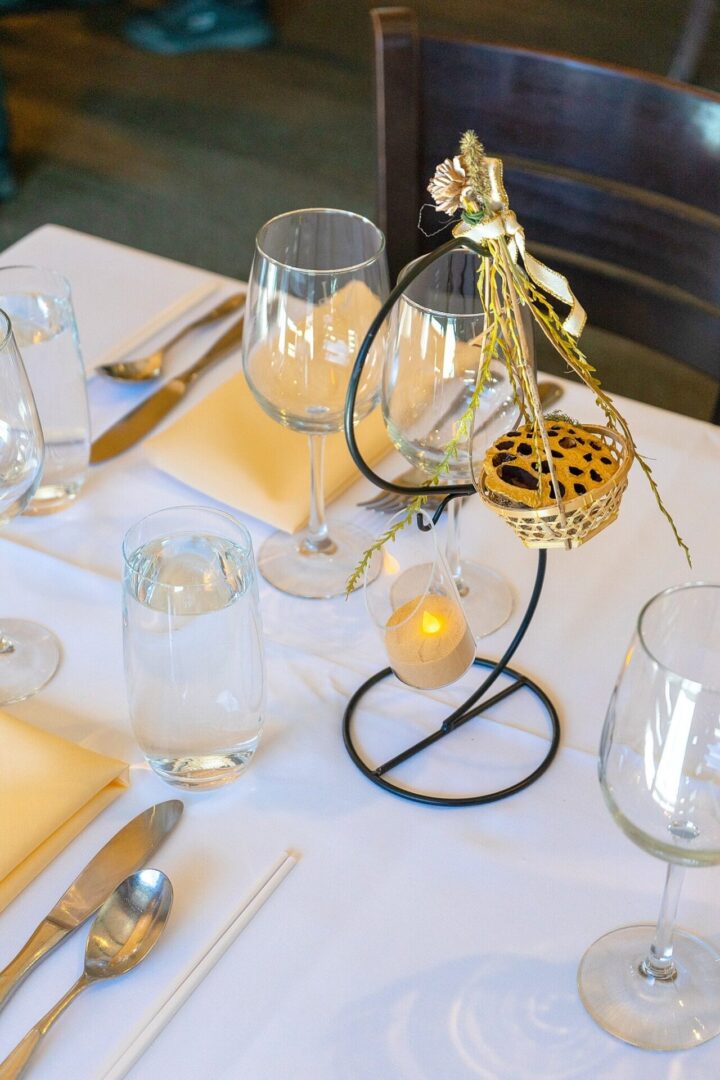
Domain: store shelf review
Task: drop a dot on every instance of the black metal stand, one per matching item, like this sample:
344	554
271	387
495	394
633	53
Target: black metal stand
474	706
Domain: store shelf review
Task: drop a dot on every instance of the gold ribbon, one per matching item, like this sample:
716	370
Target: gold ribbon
502	223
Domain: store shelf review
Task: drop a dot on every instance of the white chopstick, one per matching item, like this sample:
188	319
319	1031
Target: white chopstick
161	321
198	970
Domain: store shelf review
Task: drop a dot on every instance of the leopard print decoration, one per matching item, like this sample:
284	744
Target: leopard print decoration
582	462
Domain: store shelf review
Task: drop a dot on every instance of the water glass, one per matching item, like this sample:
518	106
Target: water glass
39	305
193	645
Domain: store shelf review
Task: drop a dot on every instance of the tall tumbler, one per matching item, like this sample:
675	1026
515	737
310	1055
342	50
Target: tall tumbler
39	305
193	645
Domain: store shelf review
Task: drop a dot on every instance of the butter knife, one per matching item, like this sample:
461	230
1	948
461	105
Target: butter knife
125	853
148	414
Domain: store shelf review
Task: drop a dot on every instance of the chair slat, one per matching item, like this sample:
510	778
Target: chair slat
604	120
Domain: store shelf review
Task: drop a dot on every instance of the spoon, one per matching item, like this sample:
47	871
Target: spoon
122	934
149	367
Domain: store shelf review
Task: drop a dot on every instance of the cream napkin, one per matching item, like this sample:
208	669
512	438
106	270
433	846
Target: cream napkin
230	449
50	789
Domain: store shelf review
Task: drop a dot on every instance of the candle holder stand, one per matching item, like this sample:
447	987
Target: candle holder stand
477	704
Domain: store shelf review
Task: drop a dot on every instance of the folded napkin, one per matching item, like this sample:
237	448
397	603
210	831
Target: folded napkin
232	450
228	448
50	789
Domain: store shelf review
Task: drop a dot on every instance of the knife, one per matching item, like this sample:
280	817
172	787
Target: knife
148	414
125	853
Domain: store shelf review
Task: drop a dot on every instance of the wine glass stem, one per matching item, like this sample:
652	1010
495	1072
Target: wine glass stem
6	645
316	540
659	963
452	549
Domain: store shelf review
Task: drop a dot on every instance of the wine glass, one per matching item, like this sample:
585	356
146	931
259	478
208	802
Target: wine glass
318	279
29	653
659	767
433	360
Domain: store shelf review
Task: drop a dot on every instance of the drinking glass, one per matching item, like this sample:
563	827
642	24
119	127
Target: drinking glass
193	645
433	360
317	280
40	308
29	653
659	769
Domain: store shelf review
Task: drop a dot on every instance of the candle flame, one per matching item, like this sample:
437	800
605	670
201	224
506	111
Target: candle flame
430	623
391	565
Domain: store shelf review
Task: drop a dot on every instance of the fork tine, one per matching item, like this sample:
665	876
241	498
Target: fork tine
389	504
376	500
389	501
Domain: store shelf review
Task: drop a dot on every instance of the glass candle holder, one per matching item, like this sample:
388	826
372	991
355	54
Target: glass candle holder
415	605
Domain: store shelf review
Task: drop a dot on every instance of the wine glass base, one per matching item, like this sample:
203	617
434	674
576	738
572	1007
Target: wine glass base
487	598
32	662
316	575
651	1013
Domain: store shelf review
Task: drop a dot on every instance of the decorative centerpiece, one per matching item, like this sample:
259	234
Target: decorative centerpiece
556	481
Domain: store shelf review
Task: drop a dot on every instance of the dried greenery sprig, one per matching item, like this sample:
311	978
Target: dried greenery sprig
359	572
567	347
472	155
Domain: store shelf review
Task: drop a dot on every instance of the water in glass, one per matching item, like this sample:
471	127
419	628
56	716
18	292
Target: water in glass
39	305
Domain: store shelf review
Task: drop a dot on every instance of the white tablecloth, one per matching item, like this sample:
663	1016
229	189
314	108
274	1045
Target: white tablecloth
411	942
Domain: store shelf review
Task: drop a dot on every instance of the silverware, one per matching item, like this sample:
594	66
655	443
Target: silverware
149	367
128	850
148	414
124	931
389	502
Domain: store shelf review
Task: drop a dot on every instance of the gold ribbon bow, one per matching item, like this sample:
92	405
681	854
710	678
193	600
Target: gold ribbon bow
502	223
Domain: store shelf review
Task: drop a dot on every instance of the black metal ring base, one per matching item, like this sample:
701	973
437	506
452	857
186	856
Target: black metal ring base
377	773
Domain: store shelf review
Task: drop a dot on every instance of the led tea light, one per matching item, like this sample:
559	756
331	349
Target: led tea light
428	642
415	605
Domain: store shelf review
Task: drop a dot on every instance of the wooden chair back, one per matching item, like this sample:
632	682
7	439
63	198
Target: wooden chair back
614	174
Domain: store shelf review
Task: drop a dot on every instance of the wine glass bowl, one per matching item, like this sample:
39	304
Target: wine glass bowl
318	279
661	781
659	772
29	653
309	317
432	367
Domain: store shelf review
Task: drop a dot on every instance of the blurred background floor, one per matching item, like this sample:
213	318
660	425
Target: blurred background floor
187	156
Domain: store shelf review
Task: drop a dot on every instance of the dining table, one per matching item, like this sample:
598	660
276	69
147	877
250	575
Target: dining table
411	941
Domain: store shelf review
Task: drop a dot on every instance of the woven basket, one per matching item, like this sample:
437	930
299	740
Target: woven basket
586	515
